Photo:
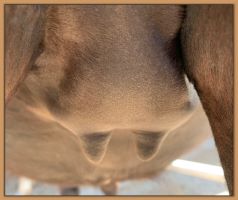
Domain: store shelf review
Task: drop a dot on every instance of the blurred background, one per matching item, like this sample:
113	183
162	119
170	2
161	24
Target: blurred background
198	172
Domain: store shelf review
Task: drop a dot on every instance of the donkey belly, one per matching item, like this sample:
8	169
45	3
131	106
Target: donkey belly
43	150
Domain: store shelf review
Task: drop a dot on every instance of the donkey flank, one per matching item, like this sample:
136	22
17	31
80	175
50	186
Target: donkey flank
98	93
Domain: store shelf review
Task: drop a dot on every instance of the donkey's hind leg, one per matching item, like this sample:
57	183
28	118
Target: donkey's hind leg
73	191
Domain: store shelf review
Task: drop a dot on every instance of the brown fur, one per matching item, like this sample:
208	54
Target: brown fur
105	69
207	40
23	32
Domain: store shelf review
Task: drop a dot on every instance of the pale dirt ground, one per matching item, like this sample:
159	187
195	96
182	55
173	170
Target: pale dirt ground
168	183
